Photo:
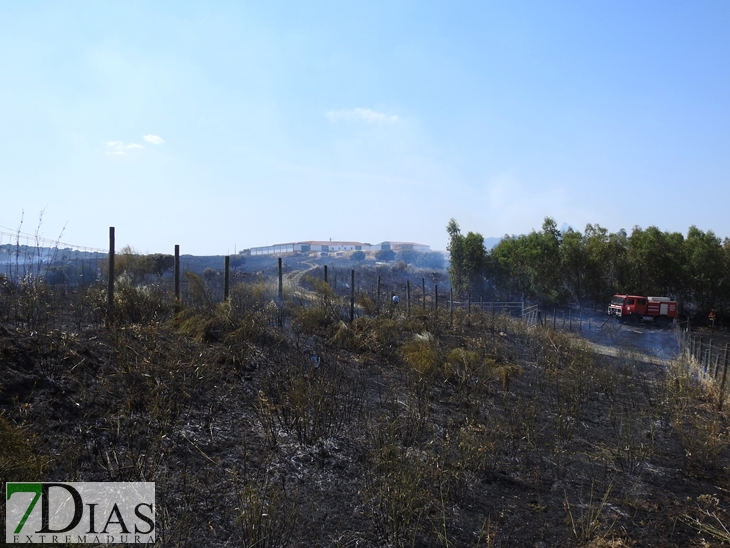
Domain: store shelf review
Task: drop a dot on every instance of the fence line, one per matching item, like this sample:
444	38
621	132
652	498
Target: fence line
14	237
708	358
23	255
77	267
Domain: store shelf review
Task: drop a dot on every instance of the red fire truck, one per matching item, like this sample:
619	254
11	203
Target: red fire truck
636	308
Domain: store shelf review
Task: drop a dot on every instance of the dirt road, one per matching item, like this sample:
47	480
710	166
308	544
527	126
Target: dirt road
611	338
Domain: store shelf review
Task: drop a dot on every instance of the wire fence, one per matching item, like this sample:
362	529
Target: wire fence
707	350
50	284
23	256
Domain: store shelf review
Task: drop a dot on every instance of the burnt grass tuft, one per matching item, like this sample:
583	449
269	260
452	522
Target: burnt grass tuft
392	431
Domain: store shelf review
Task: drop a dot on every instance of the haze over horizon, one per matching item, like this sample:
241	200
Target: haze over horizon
227	126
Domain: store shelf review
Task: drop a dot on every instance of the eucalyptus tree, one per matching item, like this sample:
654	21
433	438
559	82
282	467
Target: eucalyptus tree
456	256
546	272
474	262
657	262
705	268
511	269
574	261
468	260
598	268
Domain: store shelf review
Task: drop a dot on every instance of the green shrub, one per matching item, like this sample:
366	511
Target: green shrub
422	354
204	325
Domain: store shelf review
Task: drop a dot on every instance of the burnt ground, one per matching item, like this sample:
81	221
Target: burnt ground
610	336
320	434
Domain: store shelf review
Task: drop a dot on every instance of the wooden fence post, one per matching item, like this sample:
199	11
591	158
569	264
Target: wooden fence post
325	273
177	272
352	295
696	352
709	358
451	305
226	266
699	355
724	376
281	280
436	294
110	283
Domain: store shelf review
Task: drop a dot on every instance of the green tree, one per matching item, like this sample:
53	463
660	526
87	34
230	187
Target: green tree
657	262
474	262
606	262
456	256
597	271
529	266
725	282
357	256
574	263
706	268
511	267
543	250
468	260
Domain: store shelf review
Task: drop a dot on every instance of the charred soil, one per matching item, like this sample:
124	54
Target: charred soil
391	431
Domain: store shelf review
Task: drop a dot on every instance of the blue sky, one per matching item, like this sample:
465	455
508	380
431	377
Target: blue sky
225	125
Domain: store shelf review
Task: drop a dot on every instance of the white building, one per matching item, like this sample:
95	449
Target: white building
401	246
313	246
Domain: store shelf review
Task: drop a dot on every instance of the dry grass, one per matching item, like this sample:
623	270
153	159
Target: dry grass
271	423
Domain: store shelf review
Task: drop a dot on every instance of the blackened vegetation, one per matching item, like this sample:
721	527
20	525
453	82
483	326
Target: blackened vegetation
268	424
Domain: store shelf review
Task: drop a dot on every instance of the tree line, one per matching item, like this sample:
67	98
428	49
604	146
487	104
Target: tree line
554	267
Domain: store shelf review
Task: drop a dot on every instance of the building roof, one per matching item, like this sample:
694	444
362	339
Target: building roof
403	243
327	242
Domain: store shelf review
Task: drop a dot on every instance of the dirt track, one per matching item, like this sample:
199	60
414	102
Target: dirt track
611	338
